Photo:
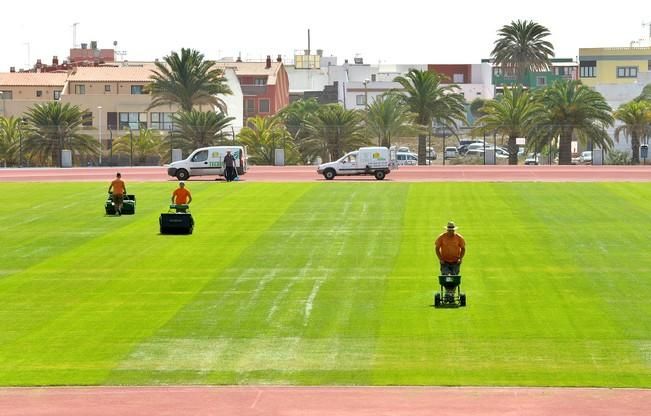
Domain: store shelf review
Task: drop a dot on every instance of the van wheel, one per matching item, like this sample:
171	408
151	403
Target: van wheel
329	174
182	174
379	175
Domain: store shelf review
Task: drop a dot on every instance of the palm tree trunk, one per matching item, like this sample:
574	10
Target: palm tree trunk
635	147
513	151
421	149
565	148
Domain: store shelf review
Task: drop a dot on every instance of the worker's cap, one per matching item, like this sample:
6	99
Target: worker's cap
451	226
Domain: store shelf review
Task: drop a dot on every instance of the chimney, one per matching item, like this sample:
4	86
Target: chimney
12	69
268	63
39	63
93	44
279	58
55	60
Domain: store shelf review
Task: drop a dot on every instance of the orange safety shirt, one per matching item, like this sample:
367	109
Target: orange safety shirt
118	186
450	247
181	196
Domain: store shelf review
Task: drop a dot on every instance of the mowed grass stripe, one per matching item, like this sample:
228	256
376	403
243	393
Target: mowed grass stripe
93	303
299	306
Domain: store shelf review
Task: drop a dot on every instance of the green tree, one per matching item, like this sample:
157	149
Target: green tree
521	47
646	94
333	131
389	118
187	80
512	115
636	119
573	111
54	127
426	96
194	129
143	144
476	107
262	136
295	117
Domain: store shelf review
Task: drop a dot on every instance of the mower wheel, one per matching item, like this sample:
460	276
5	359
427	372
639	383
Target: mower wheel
437	300
462	299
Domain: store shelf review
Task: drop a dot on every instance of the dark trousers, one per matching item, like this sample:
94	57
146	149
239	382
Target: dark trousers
230	173
450	269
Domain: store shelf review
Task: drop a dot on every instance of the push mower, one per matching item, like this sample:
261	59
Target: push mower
450	295
177	220
128	205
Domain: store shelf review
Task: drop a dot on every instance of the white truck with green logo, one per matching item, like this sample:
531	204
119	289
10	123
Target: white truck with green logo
376	161
208	161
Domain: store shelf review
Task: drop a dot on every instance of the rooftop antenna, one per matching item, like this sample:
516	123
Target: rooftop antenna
74	34
121	54
649	25
308	41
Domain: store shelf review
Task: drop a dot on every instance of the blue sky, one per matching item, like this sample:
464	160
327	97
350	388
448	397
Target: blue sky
398	32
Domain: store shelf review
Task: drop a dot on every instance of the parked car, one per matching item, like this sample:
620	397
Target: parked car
532	159
431	153
406	159
451	152
404	149
586	158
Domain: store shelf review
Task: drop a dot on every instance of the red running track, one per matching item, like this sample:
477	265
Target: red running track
340	401
470	173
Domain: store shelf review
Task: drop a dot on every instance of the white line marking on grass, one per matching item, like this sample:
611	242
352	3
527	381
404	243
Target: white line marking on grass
310	300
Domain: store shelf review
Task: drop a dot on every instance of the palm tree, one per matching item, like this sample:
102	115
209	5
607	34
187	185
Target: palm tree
427	97
187	80
636	117
521	47
10	133
573	111
145	143
262	136
54	127
512	115
388	118
199	129
333	131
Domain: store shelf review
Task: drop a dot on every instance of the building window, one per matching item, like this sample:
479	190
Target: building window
161	121
457	78
107	87
264	106
648	66
80	89
626	72
133	121
57	95
541	81
250	106
588	69
360	99
260	81
87	119
137	90
6	95
39	93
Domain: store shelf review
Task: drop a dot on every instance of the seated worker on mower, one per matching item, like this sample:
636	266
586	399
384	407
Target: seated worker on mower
450	247
181	196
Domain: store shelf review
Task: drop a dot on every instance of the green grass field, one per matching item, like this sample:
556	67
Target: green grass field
326	284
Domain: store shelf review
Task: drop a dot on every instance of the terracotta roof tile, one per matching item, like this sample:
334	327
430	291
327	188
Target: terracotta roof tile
24	79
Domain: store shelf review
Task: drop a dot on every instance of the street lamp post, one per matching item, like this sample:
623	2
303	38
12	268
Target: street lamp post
131	143
4	110
22	124
366	81
111	146
99	109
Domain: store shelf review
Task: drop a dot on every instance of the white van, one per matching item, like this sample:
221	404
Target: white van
376	161
208	161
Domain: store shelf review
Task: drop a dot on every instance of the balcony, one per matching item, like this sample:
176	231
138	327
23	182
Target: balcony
254	90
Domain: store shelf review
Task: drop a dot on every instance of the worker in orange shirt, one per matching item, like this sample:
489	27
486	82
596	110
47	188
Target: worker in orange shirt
118	190
181	196
450	247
